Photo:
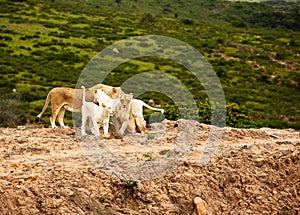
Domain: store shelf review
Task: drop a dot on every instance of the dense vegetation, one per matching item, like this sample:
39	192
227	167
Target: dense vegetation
269	14
254	48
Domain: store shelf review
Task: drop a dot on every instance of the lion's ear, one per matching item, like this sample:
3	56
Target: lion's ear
131	95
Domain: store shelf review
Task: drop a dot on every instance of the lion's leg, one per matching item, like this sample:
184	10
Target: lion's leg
117	125
141	125
83	120
131	126
105	129
55	111
60	117
52	122
105	124
90	125
56	108
95	126
123	127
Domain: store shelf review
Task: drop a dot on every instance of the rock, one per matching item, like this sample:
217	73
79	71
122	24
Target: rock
201	206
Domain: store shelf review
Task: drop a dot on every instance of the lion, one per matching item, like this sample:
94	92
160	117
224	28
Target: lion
98	113
129	114
64	98
123	115
137	114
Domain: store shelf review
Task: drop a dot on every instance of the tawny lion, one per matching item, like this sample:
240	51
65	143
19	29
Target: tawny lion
63	98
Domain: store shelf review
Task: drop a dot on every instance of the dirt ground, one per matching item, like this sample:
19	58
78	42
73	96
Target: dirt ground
56	171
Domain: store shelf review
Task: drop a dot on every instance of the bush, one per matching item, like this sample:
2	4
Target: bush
187	21
237	116
238	24
6	38
147	18
151	116
3	44
10	110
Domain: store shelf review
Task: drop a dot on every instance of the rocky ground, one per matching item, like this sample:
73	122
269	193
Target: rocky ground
56	171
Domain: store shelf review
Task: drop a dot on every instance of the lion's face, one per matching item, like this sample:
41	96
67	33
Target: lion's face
113	92
104	100
125	101
106	111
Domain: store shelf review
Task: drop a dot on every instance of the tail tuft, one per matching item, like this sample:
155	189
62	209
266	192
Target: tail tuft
37	119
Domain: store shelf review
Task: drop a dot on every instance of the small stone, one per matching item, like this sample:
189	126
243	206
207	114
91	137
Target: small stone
201	206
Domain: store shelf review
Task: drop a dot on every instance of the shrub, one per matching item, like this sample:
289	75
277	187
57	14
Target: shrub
147	18
187	21
10	110
238	24
171	112
6	38
151	116
3	44
237	115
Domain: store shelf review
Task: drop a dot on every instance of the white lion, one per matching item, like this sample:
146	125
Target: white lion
137	113
99	113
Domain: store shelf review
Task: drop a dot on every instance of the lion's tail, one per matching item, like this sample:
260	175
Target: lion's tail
38	118
152	108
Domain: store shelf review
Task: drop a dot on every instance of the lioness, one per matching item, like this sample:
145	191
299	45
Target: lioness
123	115
129	114
63	98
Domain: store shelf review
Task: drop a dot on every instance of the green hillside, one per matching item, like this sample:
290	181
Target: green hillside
269	14
46	44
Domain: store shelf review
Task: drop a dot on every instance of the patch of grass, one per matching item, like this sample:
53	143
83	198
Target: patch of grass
102	198
150	136
148	155
131	188
169	154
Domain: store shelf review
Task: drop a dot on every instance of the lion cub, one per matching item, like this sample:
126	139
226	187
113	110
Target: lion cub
98	114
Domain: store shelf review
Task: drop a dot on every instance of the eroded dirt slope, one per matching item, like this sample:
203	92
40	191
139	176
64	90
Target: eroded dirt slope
253	171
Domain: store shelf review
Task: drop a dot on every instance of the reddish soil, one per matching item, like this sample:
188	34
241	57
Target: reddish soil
253	171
